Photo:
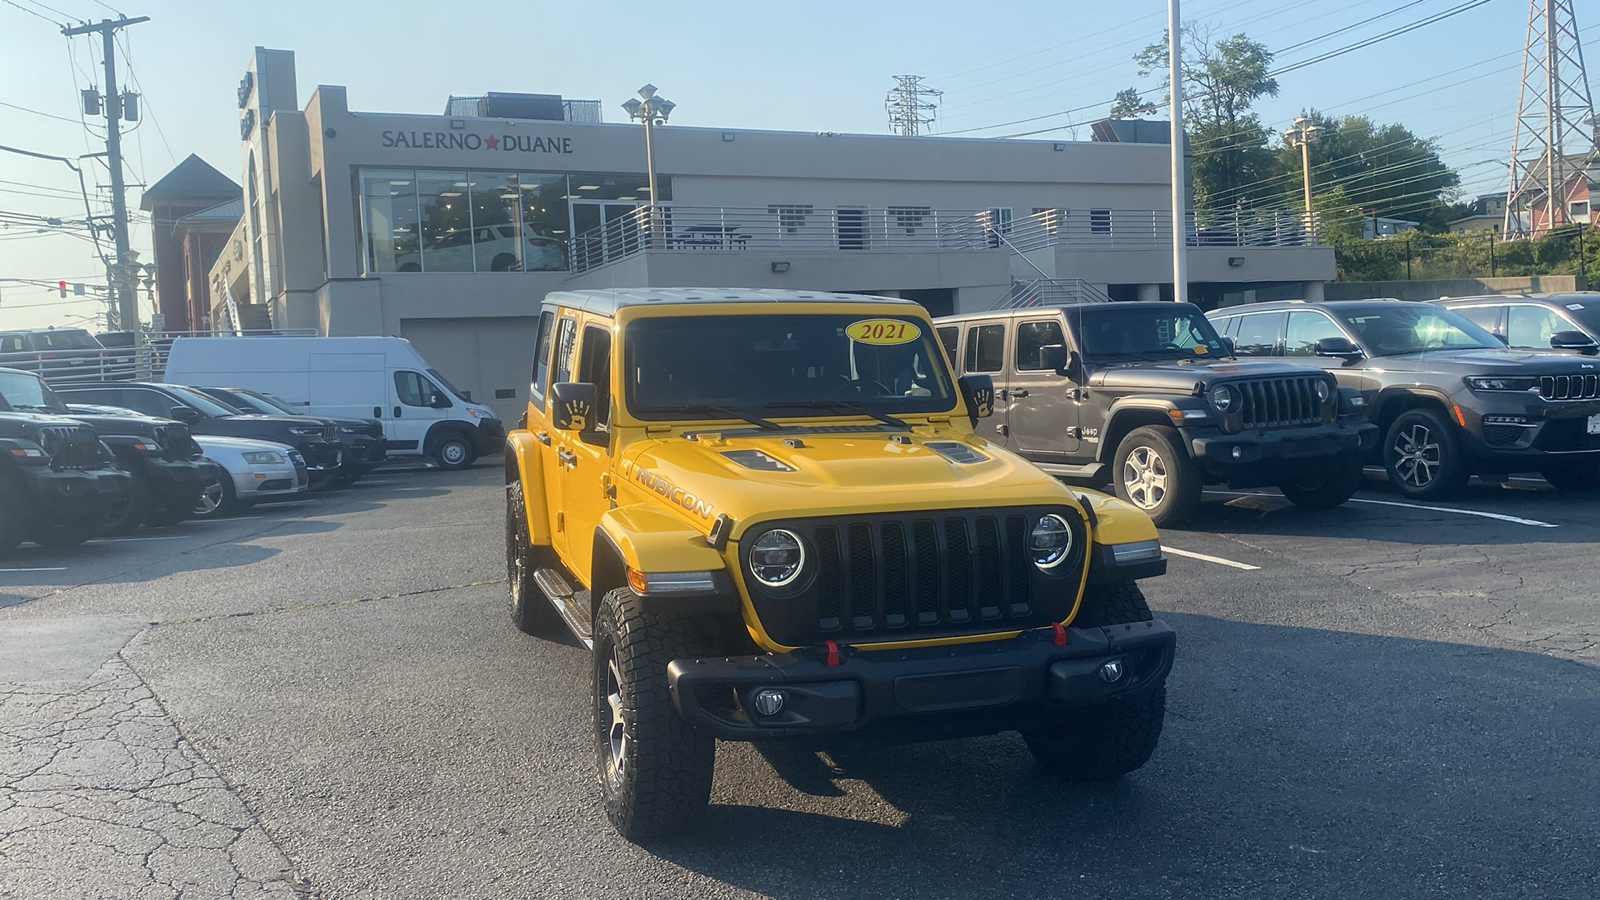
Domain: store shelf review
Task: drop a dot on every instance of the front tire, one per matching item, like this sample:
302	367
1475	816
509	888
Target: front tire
126	514
1423	456
1327	489
217	498
1153	472
655	769
453	451
61	537
531	612
18	520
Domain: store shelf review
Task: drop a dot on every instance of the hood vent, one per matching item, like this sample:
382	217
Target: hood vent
755	459
955	451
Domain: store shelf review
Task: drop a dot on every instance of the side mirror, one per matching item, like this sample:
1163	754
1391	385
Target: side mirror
185	415
1229	348
1336	347
1053	357
438	401
1574	340
573	405
978	392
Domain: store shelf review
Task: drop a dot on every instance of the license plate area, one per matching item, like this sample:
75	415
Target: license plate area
1594	424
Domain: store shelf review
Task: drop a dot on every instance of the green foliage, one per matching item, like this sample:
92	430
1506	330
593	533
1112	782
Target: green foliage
1419	256
1378	167
1129	102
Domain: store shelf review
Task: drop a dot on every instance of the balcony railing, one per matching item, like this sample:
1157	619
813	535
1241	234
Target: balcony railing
899	228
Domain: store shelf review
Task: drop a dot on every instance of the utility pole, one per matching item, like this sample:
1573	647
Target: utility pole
124	280
1180	219
1303	134
1554	137
911	105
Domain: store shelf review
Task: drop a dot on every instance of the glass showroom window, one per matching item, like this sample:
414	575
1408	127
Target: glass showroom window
389	197
446	221
544	222
495	240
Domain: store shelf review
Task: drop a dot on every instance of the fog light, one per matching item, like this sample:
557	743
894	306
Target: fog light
769	702
1238	452
1109	673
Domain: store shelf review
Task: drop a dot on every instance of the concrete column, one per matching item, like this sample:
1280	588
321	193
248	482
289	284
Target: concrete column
1313	291
1149	292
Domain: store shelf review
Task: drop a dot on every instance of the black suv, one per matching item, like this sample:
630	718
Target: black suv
1567	322
57	480
1145	396
1451	398
365	447
316	440
164	461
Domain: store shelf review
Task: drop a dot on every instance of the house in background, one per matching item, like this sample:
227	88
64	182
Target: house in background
1486	214
187	210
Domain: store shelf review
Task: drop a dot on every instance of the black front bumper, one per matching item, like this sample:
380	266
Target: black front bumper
1265	457
321	456
176	484
977	688
490	437
69	497
364	454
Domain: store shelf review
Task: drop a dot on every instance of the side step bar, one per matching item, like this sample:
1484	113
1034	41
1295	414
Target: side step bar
573	606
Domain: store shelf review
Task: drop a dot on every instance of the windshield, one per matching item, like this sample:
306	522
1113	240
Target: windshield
24	391
1108	331
66	339
1584	309
200	401
718	367
272	402
248	403
448	386
1390	329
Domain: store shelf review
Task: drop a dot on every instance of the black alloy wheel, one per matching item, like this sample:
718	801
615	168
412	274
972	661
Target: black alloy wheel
1423	457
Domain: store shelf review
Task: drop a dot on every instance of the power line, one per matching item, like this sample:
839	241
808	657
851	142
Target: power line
38	113
33	13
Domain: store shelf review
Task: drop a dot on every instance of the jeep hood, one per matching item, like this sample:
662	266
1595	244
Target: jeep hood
801	473
1488	361
1175	377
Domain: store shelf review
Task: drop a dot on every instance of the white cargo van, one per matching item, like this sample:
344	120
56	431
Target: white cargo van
382	378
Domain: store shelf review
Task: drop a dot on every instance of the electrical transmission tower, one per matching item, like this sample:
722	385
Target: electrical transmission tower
1555	137
911	105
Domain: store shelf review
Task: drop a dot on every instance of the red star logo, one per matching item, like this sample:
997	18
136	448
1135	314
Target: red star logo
492	142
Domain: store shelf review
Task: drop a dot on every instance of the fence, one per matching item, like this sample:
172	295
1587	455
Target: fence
145	363
1413	256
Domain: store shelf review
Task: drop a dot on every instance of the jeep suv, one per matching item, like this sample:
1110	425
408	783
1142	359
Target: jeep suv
1451	399
57	480
1145	396
162	459
1568	322
768	516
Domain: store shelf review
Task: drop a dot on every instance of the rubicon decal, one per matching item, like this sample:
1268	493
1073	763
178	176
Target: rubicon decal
461	140
674	493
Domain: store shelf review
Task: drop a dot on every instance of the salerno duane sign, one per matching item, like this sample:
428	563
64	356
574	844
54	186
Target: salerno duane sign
466	140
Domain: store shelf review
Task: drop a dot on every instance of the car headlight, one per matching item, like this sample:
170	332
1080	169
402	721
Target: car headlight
352	429
1323	392
1503	384
263	457
150	447
777	558
305	430
1222	397
1050	542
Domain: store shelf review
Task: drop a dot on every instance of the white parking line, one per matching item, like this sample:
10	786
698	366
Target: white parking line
1210	559
115	540
38	569
1502	517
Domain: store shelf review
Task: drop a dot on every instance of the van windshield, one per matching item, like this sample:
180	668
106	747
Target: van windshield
719	367
434	373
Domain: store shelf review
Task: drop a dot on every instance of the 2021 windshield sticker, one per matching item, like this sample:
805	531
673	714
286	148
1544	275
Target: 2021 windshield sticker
883	331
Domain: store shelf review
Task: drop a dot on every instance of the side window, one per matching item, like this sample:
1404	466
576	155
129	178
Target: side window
1258	334
100	396
566	334
1530	327
412	388
594	367
1305	329
949	336
541	354
1030	337
1485	317
11	343
986	348
151	403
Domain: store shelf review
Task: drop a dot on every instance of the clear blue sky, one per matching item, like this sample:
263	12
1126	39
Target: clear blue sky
823	65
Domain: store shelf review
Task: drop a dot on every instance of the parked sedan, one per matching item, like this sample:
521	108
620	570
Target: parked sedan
365	447
248	472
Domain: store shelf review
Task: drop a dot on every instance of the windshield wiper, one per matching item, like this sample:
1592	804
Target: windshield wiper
703	409
838	404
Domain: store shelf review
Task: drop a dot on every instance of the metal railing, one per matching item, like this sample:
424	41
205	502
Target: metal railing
145	363
1049	292
1151	229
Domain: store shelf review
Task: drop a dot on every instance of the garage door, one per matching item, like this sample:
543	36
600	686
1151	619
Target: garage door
488	359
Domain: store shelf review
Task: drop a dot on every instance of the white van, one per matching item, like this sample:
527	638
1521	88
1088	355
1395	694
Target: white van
382	378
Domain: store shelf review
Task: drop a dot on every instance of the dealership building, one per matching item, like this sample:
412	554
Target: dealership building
449	229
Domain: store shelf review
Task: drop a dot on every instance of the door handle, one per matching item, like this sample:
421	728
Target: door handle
1020	393
567	457
377	412
543	437
397	412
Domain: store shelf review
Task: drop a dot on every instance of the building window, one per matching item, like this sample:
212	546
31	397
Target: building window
1578	208
1099	221
909	217
447	236
790	217
544	222
389	198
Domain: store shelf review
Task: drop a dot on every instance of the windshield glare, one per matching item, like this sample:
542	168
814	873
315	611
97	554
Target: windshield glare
1391	330
24	391
1109	331
778	364
201	402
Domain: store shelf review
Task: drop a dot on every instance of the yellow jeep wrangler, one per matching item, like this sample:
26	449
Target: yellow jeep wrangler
769	517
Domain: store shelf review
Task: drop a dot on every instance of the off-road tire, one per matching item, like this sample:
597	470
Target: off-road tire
163	518
18	519
1437	469
1111	604
1573	476
1329	488
664	780
60	537
126	514
1175	495
531	612
453	451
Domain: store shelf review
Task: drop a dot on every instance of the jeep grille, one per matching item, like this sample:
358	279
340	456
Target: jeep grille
1280	402
330	433
1569	387
176	443
907	576
71	447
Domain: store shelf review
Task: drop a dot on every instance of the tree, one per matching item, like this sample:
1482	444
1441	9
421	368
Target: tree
1376	167
1231	164
1129	102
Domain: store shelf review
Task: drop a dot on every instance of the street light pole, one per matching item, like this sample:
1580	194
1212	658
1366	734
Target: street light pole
651	109
1303	134
1180	237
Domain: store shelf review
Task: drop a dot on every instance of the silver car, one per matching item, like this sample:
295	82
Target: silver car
248	472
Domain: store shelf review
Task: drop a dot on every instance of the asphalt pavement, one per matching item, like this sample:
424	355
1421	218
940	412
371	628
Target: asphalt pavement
327	699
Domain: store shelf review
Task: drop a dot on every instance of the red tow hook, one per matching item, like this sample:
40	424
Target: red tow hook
833	653
1061	634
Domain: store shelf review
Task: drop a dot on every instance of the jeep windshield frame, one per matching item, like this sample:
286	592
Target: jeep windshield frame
788	364
1113	332
25	392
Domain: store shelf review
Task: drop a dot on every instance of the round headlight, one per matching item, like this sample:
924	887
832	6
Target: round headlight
777	558
1322	391
1221	397
1050	542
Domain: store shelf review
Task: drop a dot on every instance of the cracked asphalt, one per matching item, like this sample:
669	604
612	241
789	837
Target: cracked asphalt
327	700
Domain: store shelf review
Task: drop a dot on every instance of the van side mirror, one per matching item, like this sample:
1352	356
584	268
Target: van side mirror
437	400
978	392
1336	347
573	405
1574	340
185	415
